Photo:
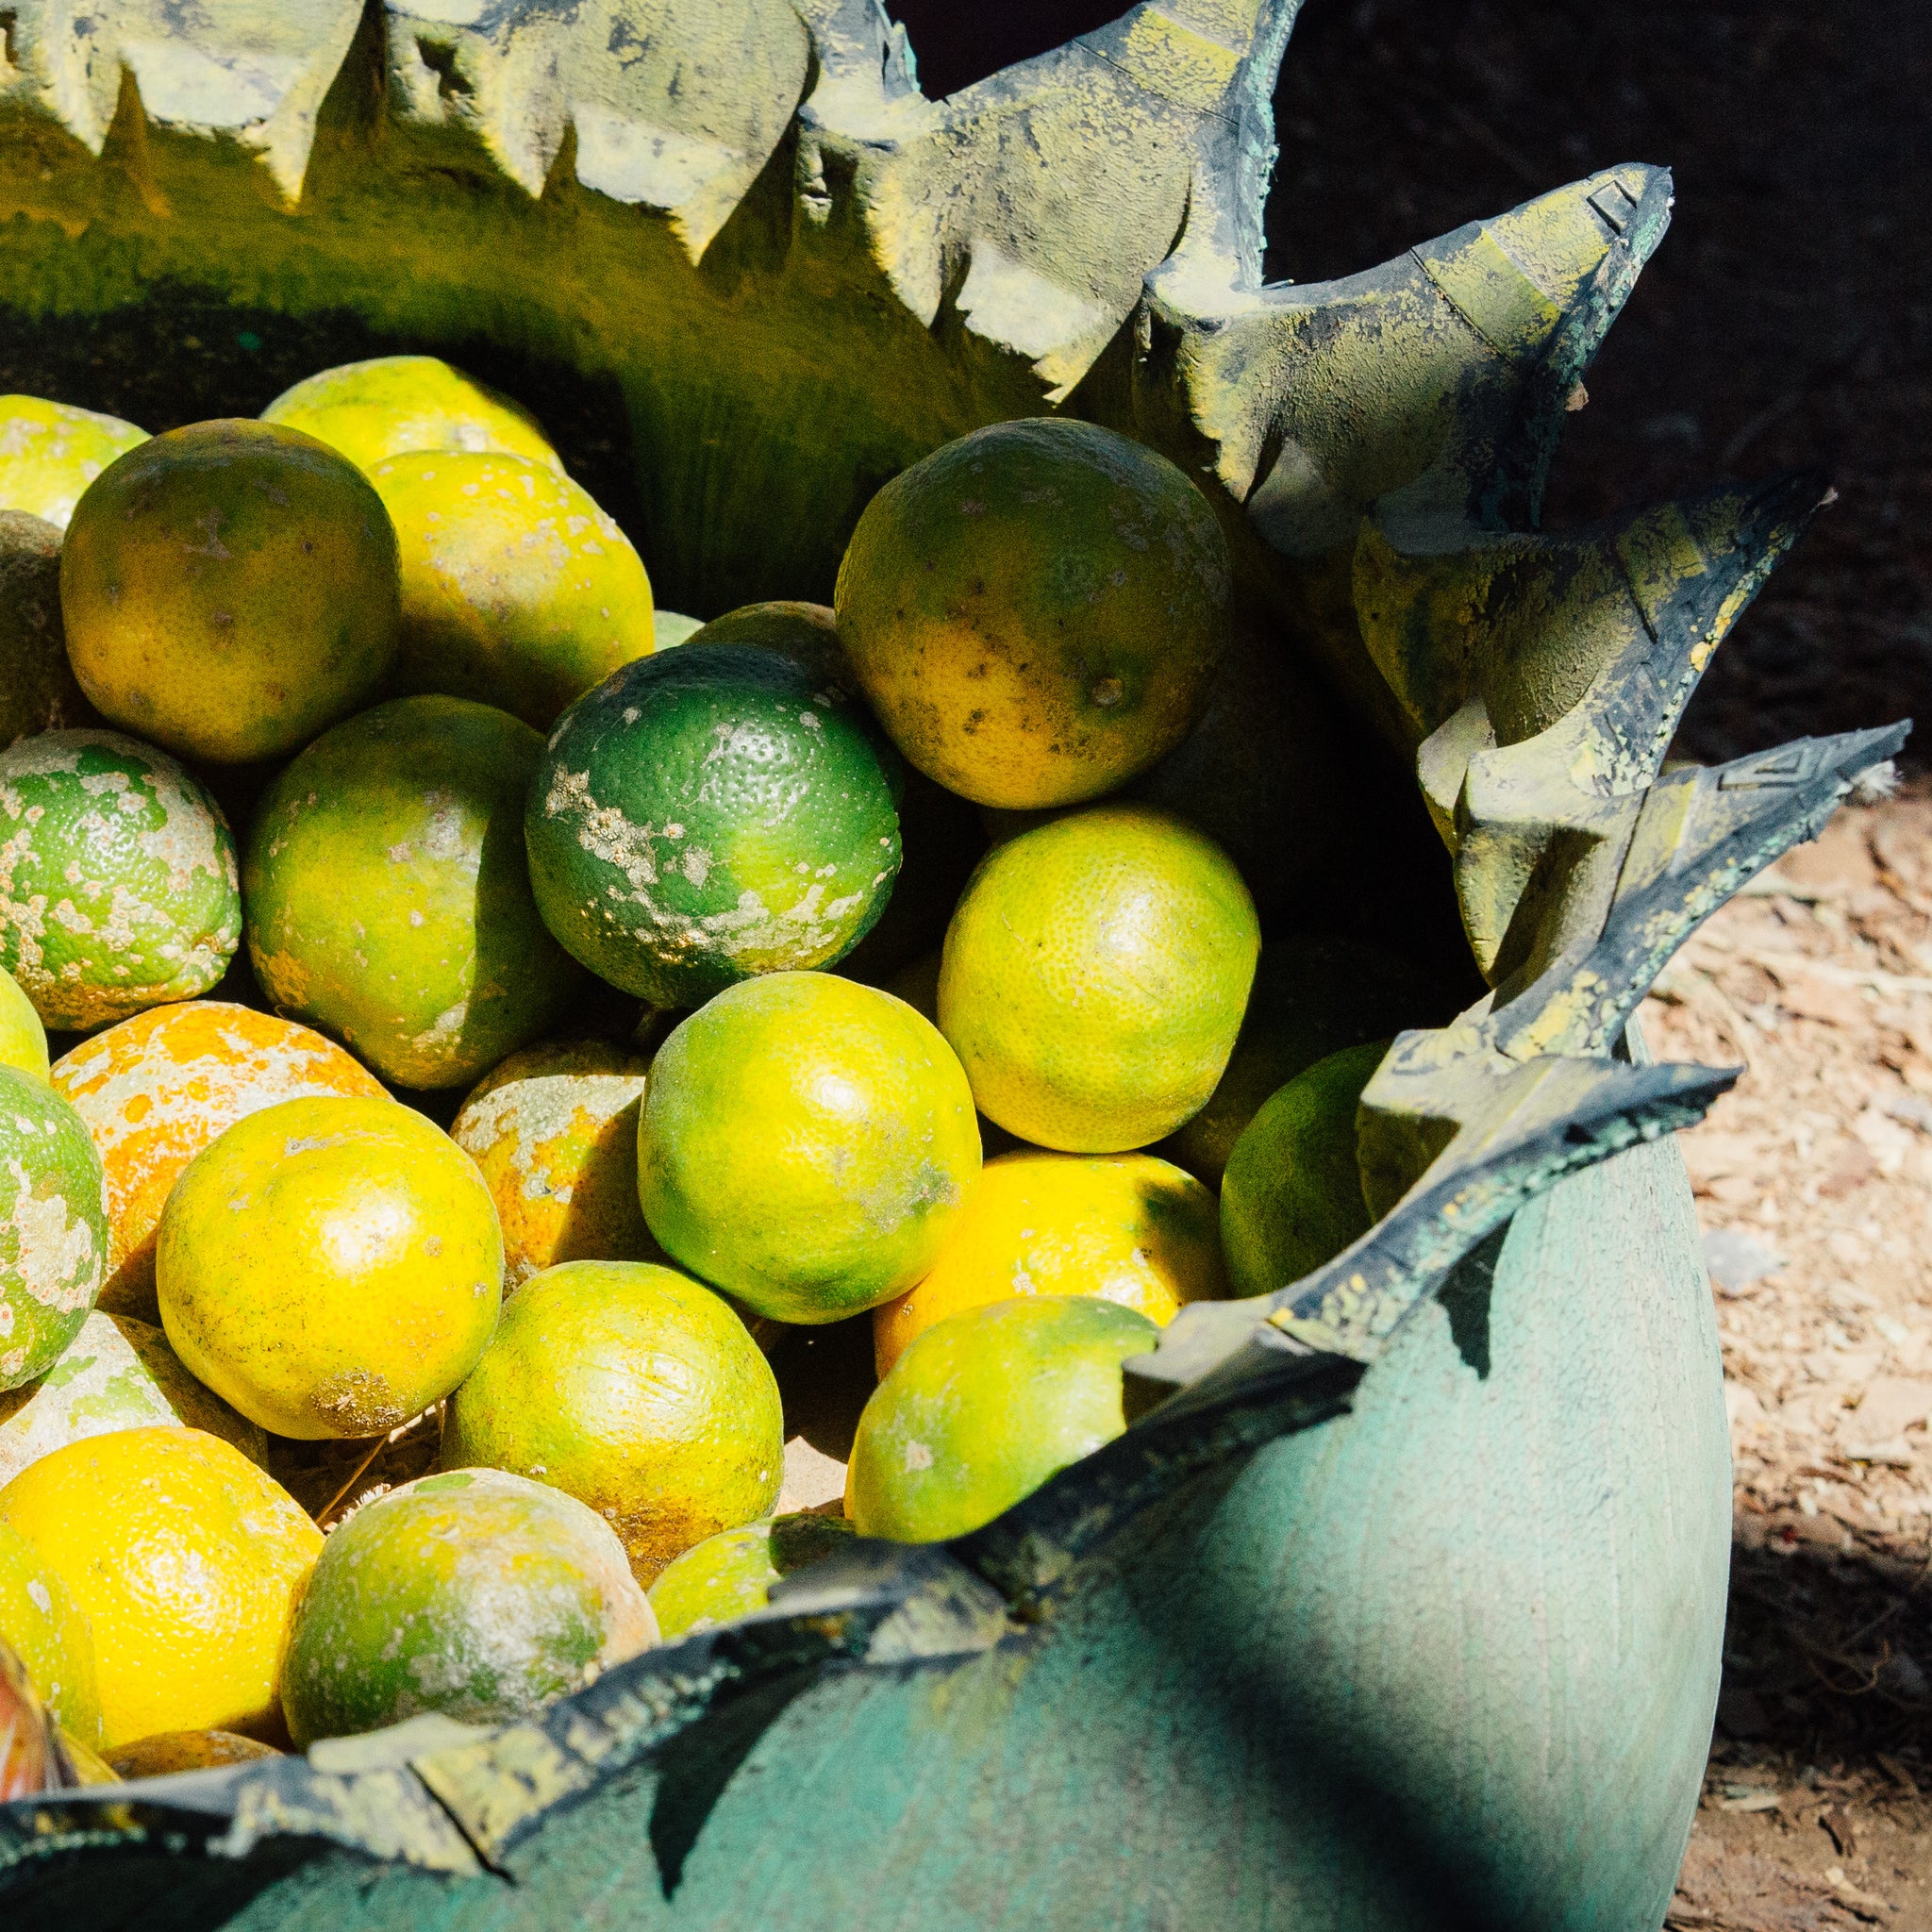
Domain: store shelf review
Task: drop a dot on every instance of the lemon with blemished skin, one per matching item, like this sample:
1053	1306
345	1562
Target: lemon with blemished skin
1036	611
118	882
1291	1197
330	1267
23	1039
517	589
186	1560
730	1575
388	405
806	1144
1126	1227
634	1389
50	452
229	590
475	1592
44	1627
1095	975
387	897
983	1408
156	1090
553	1131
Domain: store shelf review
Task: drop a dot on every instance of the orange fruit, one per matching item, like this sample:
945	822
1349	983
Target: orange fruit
159	1088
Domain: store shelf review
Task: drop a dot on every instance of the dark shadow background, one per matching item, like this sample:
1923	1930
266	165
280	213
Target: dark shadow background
1786	321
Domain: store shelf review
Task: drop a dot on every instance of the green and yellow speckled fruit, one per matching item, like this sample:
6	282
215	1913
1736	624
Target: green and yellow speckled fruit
475	1594
50	453
983	1406
187	1560
156	1090
389	902
53	1227
807	1145
1036	611
553	1131
517	589
1291	1197
708	816
48	1631
1313	996
38	691
1094	976
229	590
330	1267
23	1039
731	1575
118	886
116	1374
393	404
638	1391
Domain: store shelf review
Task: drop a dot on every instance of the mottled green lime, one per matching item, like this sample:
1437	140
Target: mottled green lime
389	902
38	691
23	1039
983	1406
118	886
53	1227
475	1594
50	452
50	1634
229	590
1291	1197
1311	997
807	1145
518	590
1035	609
380	408
634	1389
708	816
731	1575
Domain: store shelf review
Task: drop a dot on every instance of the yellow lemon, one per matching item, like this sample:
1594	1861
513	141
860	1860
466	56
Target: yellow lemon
23	1039
185	1559
49	1633
50	452
330	1267
1127	1227
1094	976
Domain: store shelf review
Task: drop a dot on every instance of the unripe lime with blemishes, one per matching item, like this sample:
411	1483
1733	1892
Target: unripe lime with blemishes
118	887
156	1090
186	1560
389	900
517	589
730	1575
983	1408
553	1131
388	405
330	1267
708	816
1291	1197
229	590
1035	609
807	1145
44	1627
53	1227
635	1389
38	691
475	1594
1094	976
51	452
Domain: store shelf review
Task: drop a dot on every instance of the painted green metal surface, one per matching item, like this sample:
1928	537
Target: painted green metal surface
1401	1604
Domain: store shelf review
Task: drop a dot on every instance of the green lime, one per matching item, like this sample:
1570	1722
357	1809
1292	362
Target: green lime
1291	1197
635	1389
708	816
731	1575
389	900
983	1406
117	879
475	1594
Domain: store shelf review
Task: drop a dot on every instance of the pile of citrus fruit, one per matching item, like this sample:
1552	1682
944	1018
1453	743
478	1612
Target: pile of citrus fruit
501	1025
